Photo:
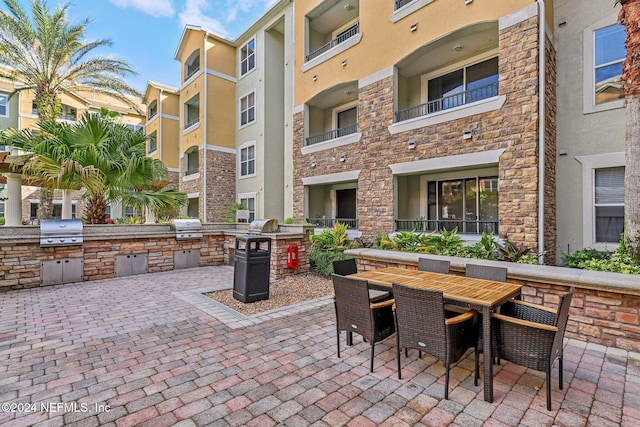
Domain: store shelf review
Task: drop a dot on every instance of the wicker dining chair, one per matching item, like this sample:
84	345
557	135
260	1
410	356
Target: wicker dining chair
346	267
434	265
355	313
532	335
421	324
486	272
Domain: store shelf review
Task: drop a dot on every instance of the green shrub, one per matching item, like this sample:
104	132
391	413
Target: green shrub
590	259
577	258
2	220
335	239
288	220
322	261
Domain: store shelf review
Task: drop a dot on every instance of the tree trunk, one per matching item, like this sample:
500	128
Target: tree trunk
630	17
45	206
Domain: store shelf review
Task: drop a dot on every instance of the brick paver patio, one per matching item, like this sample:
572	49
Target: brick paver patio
149	350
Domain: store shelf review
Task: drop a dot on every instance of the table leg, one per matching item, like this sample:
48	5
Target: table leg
349	338
488	355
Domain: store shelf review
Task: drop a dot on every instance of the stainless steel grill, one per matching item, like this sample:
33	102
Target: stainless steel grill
263	226
187	229
60	232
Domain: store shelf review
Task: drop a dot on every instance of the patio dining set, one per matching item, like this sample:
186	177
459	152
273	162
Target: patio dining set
445	315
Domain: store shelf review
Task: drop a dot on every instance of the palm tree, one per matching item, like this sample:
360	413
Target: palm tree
105	158
630	18
48	55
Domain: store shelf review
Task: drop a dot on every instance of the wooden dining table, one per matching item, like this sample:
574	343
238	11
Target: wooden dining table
478	294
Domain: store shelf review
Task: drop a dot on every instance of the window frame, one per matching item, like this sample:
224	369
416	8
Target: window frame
249	122
249	196
152	136
6	104
596	205
247	146
589	78
341	109
248	57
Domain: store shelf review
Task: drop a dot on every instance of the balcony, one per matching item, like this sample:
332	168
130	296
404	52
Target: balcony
190	71
401	3
332	134
446	102
463	226
193	122
352	223
341	38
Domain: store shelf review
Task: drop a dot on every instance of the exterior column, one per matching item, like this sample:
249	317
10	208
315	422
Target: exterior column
151	218
13	204
67	211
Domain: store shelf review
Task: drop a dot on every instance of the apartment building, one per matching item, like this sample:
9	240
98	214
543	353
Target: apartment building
591	125
426	114
162	127
19	112
234	135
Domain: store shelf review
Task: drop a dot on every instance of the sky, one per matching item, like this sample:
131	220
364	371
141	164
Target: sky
146	33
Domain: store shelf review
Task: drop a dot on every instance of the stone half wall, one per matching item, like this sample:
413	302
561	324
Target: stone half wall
512	128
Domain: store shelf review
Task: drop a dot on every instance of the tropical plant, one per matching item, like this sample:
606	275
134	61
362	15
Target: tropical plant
233	209
48	55
511	252
105	158
445	243
630	18
335	239
322	261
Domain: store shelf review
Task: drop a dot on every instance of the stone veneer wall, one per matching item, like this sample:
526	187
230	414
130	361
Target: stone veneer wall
605	308
550	229
513	128
221	184
21	254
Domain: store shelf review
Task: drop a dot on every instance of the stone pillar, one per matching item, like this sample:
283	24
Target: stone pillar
151	217
13	204
67	210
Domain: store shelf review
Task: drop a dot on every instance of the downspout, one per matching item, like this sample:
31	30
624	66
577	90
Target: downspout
204	131
541	125
159	139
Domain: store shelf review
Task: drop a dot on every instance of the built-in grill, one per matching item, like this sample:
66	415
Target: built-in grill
263	226
60	232
187	229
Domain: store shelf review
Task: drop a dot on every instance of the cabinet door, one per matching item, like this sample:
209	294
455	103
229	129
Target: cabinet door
51	272
72	270
139	263
122	266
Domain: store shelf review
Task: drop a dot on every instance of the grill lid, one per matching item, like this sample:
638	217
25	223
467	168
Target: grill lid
264	226
60	232
187	228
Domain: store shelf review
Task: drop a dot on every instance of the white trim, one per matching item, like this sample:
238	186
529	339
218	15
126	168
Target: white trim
588	73
221	149
255	57
589	165
478	107
376	77
408	9
518	16
191	79
331	178
191	177
191	128
173	170
6	98
193	195
480	159
340	109
222	75
352	41
332	143
170	117
297	109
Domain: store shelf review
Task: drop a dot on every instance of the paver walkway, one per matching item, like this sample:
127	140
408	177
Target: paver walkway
148	350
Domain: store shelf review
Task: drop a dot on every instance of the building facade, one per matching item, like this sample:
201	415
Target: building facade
440	128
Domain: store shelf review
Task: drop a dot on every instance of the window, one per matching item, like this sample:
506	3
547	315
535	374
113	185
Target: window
153	142
192	112
135	128
192	161
247	109
469	84
468	204
4	105
248	57
192	65
609	204
609	54
248	161
193	207
130	212
250	204
2	209
153	109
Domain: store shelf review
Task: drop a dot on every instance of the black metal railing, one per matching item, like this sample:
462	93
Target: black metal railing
401	3
152	148
192	171
331	222
463	226
332	134
344	36
152	114
192	123
447	102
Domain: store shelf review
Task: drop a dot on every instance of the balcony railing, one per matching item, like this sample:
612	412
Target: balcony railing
447	102
192	171
344	36
401	3
352	223
192	123
152	114
152	148
332	134
463	226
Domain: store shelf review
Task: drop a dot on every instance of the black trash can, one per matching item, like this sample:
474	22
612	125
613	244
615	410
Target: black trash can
252	267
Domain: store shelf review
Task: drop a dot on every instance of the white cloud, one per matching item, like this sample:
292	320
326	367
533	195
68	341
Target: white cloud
235	7
194	14
156	8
